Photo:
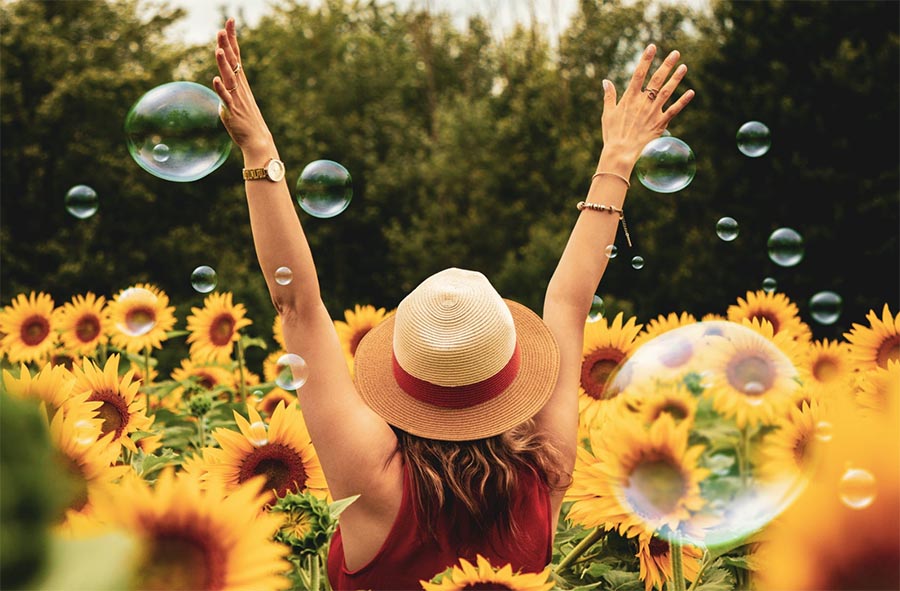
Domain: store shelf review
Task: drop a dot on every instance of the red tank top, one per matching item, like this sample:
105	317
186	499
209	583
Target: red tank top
409	554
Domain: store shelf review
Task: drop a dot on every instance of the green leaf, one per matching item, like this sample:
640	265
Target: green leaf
338	507
745	562
621	580
247	342
153	463
715	579
177	333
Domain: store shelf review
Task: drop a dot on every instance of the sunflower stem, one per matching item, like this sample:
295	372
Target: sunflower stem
147	376
744	457
242	389
579	549
704	562
201	430
675	549
314	572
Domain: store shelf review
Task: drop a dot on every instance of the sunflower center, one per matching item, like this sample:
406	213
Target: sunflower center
281	465
596	369
113	411
139	320
677	354
222	329
801	446
676	409
87	328
181	560
825	369
357	336
889	351
34	330
205	380
487	587
62	359
655	488
298	524
770	317
270	402
752	375
658	547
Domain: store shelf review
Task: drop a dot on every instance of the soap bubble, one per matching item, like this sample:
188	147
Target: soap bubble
81	201
720	388
753	139
769	284
825	307
140	307
324	189
785	247
203	279
258	434
597	309
611	251
174	132
292	371
857	488
727	229
637	262
666	165
283	275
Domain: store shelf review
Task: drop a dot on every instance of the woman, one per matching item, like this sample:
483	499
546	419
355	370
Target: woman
459	431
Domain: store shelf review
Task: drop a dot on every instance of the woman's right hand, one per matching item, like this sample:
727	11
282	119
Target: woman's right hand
240	114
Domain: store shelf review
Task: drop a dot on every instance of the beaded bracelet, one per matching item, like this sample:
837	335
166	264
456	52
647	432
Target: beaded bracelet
582	205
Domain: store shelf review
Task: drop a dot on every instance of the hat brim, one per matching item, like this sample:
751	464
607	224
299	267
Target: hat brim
521	400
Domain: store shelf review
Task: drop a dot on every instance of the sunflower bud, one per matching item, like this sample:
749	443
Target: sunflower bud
308	523
199	404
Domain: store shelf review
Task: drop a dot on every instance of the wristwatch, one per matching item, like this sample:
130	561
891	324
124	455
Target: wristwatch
272	171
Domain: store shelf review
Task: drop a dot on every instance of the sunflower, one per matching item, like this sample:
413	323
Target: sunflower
28	328
827	368
206	376
637	479
121	409
655	555
486	576
281	450
268	403
196	539
271	369
356	324
278	332
663	324
84	323
142	316
150	443
54	386
774	307
605	348
663	397
749	379
876	344
215	328
878	390
792	449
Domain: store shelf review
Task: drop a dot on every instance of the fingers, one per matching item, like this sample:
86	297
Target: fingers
222	91
225	47
669	87
662	72
677	106
226	75
231	33
609	95
640	72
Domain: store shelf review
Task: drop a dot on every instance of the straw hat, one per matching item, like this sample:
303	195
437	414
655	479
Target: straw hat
456	361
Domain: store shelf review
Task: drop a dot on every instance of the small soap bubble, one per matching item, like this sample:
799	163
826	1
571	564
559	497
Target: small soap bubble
824	431
727	228
666	165
785	247
258	393
611	251
324	189
283	275
174	132
637	262
140	311
666	133
825	307
259	434
85	432
203	279
82	202
597	309
292	371
769	284
857	488
753	139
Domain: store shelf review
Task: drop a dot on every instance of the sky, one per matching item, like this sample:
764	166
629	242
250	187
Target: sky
203	16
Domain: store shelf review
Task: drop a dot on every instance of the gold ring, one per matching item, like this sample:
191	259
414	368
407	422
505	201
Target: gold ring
236	69
651	93
231	89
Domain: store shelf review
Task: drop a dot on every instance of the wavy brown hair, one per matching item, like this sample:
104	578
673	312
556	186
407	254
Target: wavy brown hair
474	481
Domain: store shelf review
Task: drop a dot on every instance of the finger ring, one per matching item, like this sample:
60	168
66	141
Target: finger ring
237	68
651	93
232	89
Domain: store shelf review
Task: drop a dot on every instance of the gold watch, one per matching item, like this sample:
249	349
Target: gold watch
272	171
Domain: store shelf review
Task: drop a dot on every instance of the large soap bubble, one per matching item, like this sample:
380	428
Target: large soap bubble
666	165
174	132
708	439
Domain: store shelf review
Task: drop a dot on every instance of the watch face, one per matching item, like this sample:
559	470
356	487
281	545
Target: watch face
275	170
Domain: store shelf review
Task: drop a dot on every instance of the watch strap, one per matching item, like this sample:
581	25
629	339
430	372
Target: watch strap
255	174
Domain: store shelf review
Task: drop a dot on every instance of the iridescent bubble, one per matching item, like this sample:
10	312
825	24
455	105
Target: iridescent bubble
259	434
174	132
597	309
666	133
283	275
716	382
140	311
825	307
637	262
81	201
324	189
824	431
258	393
857	488
666	165
753	139
292	371
611	251
727	228
785	247
769	284
203	279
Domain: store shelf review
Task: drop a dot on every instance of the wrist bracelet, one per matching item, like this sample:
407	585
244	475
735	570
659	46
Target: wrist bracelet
582	205
615	174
